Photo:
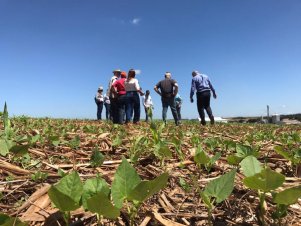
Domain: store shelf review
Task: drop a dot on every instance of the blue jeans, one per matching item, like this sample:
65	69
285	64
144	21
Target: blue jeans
132	103
121	108
99	110
108	109
169	102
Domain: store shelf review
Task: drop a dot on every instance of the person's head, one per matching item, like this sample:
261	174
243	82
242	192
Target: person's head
194	73
123	74
147	92
131	73
167	75
100	89
117	72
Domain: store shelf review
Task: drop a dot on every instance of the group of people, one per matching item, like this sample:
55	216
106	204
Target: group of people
122	99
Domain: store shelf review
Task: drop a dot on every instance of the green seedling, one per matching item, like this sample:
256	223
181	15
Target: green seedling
66	195
6	220
97	158
39	176
242	151
283	200
128	188
264	182
138	148
217	191
201	158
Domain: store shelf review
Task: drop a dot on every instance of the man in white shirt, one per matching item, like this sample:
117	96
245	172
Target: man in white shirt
147	103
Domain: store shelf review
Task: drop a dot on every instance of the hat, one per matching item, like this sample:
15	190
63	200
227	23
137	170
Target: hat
117	70
100	88
194	73
123	74
168	74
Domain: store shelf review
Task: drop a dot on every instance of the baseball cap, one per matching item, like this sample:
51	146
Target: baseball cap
100	88
117	70
194	73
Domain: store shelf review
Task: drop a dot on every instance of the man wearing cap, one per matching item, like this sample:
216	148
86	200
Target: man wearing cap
99	102
113	97
202	86
168	90
119	90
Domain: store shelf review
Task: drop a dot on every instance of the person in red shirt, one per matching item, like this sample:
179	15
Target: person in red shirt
119	90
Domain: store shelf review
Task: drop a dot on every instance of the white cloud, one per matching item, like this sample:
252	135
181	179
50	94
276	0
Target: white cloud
138	72
135	21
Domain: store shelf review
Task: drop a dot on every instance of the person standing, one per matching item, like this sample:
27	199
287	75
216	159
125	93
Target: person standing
178	100
113	96
168	90
119	89
147	103
99	102
202	86
107	104
133	90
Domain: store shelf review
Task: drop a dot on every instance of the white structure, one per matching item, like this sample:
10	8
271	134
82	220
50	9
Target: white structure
275	119
216	119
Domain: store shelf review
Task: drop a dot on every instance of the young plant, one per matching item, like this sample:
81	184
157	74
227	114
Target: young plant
66	194
201	158
242	151
264	180
128	188
217	191
97	158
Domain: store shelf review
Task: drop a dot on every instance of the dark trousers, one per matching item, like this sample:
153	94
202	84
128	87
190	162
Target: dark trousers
99	110
179	112
132	104
108	109
114	109
121	108
169	102
203	102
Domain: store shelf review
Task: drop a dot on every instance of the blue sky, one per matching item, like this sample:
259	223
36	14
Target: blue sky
55	53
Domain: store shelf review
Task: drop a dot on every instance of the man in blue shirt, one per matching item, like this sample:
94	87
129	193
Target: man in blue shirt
202	86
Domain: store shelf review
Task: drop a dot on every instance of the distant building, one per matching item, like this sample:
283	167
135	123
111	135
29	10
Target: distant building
216	119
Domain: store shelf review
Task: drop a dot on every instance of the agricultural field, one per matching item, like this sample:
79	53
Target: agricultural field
84	172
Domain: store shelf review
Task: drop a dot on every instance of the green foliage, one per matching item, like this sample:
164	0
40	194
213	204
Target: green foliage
202	159
250	166
221	187
266	181
125	180
97	158
67	193
6	220
93	187
288	196
100	204
39	176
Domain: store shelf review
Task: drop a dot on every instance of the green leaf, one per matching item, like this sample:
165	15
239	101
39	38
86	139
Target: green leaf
250	166
101	205
162	150
233	160
215	158
206	200
279	150
5	146
92	187
221	187
19	150
201	158
267	180
62	201
146	189
67	193
6	220
288	196
125	180
97	158
243	151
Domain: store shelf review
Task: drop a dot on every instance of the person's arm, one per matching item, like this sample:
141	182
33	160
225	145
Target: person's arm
156	88
192	90
114	87
212	89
